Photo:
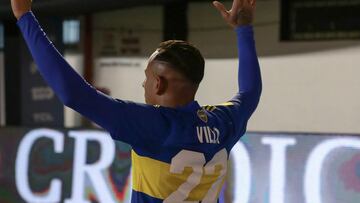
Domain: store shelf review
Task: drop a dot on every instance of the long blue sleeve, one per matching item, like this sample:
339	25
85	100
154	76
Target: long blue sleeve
120	118
249	76
70	87
243	104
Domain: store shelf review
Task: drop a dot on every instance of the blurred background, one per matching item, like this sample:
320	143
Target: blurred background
302	143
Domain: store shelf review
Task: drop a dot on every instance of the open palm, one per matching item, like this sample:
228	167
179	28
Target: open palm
241	12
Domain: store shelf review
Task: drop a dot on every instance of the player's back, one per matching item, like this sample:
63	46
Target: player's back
189	161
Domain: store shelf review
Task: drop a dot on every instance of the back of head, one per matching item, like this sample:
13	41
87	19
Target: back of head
184	58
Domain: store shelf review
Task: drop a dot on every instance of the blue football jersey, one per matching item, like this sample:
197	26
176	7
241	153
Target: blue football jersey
186	158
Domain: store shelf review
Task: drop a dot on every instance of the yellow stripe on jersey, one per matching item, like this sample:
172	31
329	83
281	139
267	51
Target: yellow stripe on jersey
227	104
209	108
153	178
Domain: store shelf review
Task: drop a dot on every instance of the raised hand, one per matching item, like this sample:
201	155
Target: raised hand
20	7
241	12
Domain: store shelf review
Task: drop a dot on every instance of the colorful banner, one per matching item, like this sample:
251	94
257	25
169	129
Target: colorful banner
76	166
44	165
295	168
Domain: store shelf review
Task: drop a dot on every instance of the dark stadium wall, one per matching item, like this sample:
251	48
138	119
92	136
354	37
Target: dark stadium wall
71	7
176	21
2	76
2	90
12	63
29	101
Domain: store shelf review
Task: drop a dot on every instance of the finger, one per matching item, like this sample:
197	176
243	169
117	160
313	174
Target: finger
249	4
237	5
252	3
221	8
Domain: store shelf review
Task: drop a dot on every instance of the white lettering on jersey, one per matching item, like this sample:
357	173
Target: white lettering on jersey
212	135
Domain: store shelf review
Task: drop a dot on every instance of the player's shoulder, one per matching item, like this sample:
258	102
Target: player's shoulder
219	107
222	111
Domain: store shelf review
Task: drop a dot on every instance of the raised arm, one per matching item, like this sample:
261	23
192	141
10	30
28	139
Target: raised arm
70	87
240	18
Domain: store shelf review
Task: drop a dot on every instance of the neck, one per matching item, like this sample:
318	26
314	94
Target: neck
179	95
175	100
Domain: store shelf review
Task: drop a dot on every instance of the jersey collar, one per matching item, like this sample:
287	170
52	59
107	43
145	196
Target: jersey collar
191	107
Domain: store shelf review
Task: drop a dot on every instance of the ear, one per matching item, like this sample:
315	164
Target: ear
161	85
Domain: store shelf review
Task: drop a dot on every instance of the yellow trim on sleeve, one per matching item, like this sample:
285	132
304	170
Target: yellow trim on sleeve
227	104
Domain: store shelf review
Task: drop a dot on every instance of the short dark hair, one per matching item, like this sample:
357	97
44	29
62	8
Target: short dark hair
183	57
